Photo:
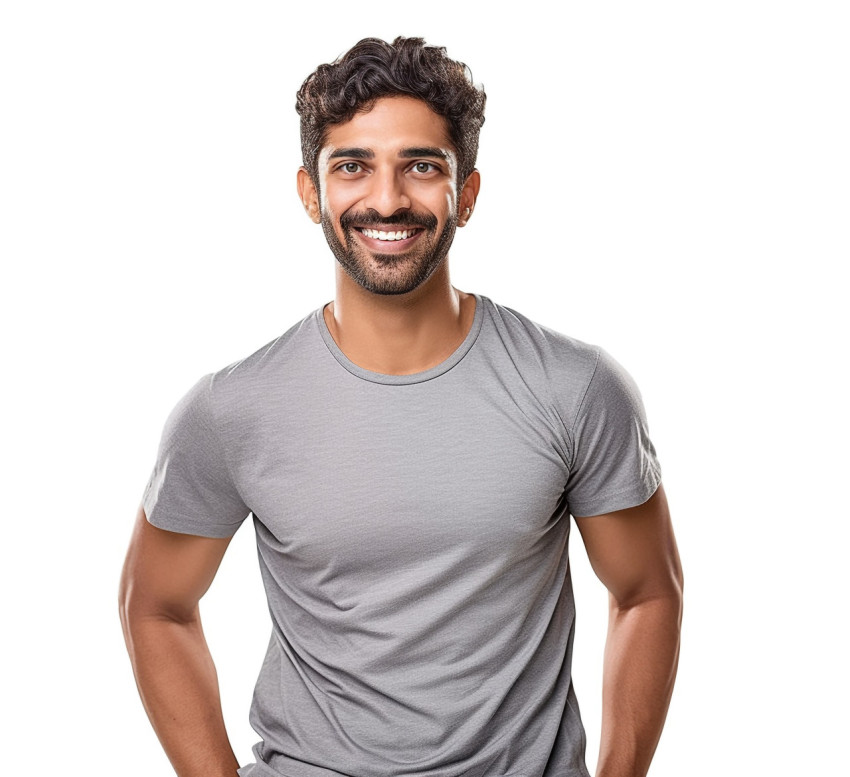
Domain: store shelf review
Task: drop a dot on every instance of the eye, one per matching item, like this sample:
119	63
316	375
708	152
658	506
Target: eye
424	167
350	167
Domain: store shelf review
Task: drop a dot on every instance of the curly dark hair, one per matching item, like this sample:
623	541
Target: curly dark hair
372	69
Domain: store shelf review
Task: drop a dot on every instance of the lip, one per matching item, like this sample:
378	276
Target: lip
387	227
387	246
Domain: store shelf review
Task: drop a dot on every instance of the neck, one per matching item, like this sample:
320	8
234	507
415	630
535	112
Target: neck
399	334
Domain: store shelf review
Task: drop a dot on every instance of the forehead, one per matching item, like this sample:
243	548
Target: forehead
392	124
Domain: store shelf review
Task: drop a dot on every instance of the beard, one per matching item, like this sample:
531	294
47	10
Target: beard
390	273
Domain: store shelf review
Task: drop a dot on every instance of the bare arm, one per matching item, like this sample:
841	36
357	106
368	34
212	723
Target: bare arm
165	575
634	554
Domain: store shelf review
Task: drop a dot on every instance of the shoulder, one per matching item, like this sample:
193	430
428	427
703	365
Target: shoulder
265	367
582	377
540	343
546	356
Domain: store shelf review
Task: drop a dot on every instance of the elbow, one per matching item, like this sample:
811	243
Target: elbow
663	596
678	601
672	595
678	592
134	607
675	600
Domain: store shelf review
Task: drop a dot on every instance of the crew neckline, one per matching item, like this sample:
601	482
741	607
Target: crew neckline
415	377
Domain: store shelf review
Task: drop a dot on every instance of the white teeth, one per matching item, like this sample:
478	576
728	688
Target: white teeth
381	235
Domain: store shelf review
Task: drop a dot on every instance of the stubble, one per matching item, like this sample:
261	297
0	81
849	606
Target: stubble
390	273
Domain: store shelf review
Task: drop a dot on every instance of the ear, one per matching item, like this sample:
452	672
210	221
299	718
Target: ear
468	196
308	195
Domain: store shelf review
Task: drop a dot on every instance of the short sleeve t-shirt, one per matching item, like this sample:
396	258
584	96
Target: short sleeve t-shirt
412	537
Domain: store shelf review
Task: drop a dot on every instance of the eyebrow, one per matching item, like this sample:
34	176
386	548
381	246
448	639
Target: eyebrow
353	153
405	153
412	153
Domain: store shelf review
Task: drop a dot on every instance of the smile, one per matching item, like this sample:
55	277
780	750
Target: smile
376	234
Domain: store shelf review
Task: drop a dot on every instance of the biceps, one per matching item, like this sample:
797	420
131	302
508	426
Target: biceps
165	573
633	551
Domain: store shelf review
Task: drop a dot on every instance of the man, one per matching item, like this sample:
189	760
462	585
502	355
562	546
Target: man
411	455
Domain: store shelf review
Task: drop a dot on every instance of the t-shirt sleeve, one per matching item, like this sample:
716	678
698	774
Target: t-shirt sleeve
191	490
614	463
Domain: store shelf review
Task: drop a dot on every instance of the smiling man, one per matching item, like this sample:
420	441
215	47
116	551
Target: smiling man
385	243
411	455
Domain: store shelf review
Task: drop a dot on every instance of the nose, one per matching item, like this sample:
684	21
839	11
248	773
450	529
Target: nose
387	193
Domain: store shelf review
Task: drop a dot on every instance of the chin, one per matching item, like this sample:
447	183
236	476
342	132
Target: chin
386	283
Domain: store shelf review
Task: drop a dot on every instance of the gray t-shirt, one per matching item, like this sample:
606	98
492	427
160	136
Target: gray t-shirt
412	536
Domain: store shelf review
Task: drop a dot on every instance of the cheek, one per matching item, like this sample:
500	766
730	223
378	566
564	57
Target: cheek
330	202
451	204
331	210
336	203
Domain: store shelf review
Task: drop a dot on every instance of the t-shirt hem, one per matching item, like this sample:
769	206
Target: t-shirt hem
621	500
261	769
183	525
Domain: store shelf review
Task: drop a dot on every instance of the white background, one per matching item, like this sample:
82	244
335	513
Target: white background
666	179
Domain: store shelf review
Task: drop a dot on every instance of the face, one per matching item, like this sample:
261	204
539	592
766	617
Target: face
388	200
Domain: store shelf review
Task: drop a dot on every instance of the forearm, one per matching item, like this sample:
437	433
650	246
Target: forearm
641	657
178	684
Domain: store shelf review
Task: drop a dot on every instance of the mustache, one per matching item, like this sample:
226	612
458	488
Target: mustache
368	218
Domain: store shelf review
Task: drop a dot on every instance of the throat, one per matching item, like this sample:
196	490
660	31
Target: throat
399	341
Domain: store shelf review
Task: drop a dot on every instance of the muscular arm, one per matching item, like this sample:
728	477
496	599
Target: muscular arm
165	575
633	552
